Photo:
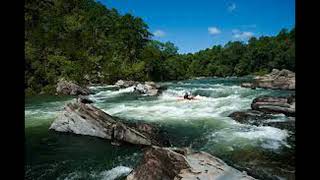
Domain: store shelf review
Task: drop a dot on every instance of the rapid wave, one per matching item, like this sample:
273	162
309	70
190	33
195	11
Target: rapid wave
103	95
202	124
42	114
242	136
212	101
112	174
101	87
171	105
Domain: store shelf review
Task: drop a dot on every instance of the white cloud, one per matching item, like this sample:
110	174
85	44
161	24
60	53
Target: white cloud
159	33
214	30
232	7
242	35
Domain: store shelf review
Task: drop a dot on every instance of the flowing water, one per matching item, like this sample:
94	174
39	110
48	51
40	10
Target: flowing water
202	124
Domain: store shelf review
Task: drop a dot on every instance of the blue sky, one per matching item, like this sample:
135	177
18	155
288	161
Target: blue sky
193	25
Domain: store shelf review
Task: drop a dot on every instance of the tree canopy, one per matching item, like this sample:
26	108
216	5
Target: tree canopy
82	40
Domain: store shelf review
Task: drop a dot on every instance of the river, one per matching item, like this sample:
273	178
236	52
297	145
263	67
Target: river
201	124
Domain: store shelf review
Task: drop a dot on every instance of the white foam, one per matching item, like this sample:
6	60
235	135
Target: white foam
103	95
101	87
242	135
264	132
111	174
171	105
114	173
213	101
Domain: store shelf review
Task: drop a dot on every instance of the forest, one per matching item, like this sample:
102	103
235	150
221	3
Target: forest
86	42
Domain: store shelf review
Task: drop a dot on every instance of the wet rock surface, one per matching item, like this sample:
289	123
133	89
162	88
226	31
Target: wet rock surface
277	79
85	119
181	163
69	88
269	104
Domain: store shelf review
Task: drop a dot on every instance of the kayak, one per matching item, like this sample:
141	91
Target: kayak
182	98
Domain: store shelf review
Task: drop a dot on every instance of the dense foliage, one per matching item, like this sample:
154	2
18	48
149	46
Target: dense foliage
82	40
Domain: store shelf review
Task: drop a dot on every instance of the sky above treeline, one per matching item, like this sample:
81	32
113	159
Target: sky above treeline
193	25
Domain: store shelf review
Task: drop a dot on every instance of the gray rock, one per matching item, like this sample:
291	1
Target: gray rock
285	105
283	79
69	88
125	84
248	85
259	118
168	163
253	117
84	99
86	119
262	111
148	88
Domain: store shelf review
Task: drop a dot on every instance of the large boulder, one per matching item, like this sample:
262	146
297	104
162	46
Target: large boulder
283	79
285	105
263	110
69	88
86	119
125	84
259	118
172	164
249	116
248	85
148	88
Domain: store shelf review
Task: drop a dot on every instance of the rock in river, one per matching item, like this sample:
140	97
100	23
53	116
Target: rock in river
84	99
69	88
285	105
259	118
262	110
169	163
86	119
148	88
124	84
248	85
283	79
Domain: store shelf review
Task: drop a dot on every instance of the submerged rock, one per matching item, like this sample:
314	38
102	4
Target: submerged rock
86	119
283	79
69	88
168	163
269	104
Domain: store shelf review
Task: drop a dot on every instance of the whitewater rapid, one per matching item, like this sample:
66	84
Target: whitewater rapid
213	103
205	118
